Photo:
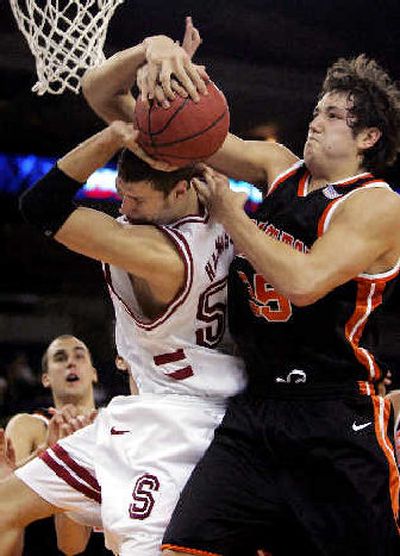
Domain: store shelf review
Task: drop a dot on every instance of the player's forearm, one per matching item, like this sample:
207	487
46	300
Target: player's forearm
90	155
287	270
49	202
107	87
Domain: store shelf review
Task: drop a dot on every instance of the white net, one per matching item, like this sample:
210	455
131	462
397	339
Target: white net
65	36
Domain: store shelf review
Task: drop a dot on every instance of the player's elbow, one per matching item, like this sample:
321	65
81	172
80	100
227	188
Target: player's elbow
302	299
90	87
88	82
305	292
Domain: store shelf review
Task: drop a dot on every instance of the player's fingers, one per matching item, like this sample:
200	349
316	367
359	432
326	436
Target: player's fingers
152	77
157	164
68	412
202	72
144	90
192	39
57	420
92	415
160	97
66	430
182	76
202	189
196	78
165	81
178	88
141	82
52	410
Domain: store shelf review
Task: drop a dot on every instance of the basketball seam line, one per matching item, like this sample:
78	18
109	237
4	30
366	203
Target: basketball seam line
170	143
181	107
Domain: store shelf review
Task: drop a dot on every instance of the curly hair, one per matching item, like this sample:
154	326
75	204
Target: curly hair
375	103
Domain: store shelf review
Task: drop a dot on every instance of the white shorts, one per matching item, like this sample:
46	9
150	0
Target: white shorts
134	461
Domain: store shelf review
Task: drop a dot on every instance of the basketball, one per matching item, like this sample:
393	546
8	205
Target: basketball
187	131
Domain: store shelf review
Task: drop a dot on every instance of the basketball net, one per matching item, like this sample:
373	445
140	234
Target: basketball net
65	36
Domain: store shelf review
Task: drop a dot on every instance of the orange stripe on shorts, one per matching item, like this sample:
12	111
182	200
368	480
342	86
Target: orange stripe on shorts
188	550
382	413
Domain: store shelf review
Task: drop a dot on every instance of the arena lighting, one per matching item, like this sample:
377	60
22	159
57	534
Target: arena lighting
18	172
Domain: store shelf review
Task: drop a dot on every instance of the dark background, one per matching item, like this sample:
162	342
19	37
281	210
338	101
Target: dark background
268	57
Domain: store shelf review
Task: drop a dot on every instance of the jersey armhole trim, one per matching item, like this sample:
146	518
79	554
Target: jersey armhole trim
182	246
284	175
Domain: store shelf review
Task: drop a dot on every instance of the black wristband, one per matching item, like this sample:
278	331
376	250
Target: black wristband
49	202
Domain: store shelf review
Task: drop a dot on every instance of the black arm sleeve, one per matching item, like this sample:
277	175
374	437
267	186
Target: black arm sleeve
49	202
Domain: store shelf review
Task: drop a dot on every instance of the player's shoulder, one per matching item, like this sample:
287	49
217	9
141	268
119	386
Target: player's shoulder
374	201
25	422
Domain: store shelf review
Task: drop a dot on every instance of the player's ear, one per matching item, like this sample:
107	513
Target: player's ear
180	188
45	380
95	378
369	137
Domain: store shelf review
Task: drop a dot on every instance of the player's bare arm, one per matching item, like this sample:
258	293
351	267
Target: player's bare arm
141	250
72	538
257	162
7	456
107	88
363	237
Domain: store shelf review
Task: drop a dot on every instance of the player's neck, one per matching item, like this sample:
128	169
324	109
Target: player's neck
189	206
320	177
83	403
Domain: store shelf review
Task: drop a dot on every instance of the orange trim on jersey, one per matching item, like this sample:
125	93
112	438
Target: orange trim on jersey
188	550
389	275
366	388
382	413
282	178
324	215
369	296
353	180
301	190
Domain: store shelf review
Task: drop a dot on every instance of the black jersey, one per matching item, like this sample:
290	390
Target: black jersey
332	341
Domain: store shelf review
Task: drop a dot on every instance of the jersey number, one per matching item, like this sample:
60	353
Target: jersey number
213	313
265	302
143	497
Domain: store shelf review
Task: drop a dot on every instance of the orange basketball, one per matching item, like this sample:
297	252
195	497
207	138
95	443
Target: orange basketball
187	131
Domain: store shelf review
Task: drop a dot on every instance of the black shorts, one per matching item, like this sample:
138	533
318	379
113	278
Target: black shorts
294	476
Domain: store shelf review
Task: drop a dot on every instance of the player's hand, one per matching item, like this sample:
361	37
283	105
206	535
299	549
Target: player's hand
214	191
7	456
66	421
192	39
166	61
159	95
125	135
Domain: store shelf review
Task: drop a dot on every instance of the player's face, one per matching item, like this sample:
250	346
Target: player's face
330	138
70	372
143	204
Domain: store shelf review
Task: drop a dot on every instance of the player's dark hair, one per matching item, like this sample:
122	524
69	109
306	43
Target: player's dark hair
131	168
376	103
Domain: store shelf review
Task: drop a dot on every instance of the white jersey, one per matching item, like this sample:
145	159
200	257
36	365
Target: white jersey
187	349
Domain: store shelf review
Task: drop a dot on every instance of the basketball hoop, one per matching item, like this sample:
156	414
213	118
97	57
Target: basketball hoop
65	36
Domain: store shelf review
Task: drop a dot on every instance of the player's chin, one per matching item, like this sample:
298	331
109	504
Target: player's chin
308	152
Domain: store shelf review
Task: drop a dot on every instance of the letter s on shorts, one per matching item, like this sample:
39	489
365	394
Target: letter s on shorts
142	496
